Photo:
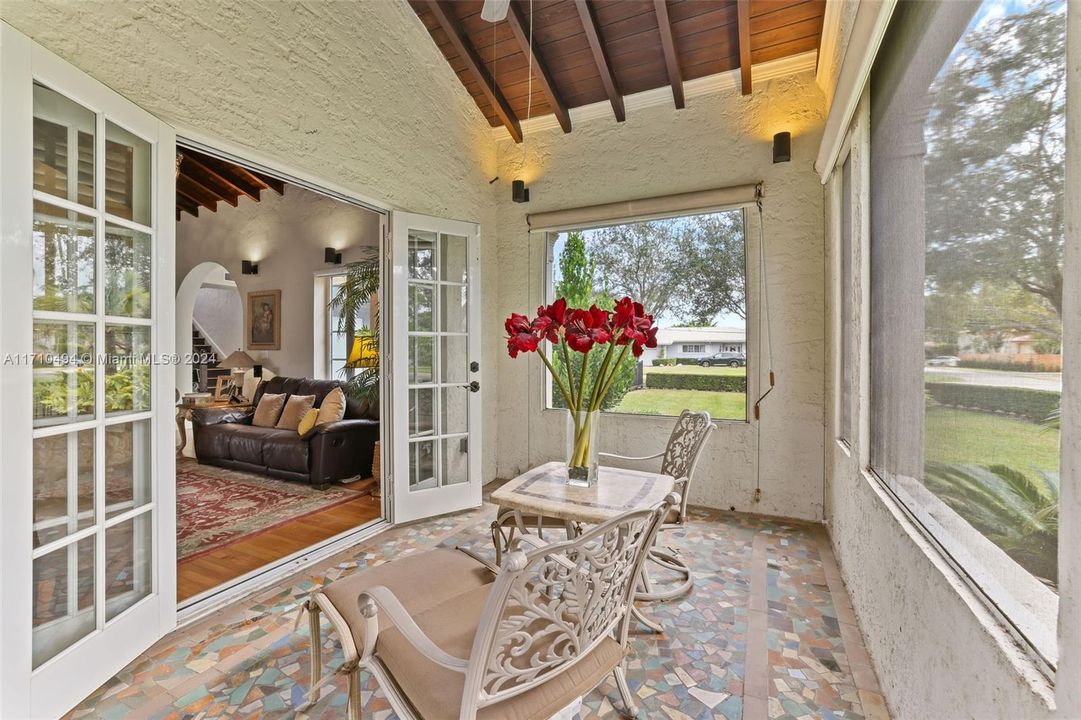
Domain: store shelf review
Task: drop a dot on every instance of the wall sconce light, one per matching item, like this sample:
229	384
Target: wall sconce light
782	147
332	256
519	193
247	267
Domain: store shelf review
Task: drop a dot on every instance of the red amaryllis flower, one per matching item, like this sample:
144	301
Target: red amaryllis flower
649	338
556	315
520	335
623	315
587	327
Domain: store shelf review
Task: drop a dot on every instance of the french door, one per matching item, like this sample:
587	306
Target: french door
87	504
436	378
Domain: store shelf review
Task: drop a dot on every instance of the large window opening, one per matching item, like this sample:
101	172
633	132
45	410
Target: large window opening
967	152
690	273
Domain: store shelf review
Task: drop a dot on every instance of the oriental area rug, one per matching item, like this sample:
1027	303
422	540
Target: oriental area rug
216	507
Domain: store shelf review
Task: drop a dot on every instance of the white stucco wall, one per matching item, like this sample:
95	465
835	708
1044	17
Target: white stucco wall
286	235
717	141
220	313
353	93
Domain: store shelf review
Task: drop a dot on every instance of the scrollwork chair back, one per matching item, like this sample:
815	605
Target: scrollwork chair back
683	450
552	605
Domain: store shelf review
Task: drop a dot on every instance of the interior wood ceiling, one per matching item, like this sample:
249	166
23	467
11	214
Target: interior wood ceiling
202	181
588	51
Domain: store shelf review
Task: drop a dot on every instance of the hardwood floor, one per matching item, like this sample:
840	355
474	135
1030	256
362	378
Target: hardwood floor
214	568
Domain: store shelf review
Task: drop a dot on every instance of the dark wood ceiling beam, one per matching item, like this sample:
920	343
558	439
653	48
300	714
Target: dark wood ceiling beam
209	168
600	57
671	57
193	191
236	176
743	21
519	25
189	206
448	21
208	181
274	184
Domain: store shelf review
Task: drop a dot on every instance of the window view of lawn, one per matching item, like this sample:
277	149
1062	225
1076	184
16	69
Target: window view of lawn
689	273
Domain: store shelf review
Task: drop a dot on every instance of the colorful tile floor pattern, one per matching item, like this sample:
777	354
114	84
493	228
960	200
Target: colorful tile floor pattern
766	592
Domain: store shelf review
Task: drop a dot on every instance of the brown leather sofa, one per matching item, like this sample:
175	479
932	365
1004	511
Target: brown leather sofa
225	437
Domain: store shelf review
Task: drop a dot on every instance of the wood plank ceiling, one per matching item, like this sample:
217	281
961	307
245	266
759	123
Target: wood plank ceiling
202	181
589	51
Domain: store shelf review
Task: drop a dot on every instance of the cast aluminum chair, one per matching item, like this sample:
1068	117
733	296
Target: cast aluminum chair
463	640
678	459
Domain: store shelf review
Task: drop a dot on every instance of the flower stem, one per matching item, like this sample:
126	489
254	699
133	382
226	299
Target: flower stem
608	381
555	376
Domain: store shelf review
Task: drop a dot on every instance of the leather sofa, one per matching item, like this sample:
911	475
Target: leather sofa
328	453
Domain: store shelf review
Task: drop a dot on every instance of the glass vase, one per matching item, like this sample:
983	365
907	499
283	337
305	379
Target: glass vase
582	432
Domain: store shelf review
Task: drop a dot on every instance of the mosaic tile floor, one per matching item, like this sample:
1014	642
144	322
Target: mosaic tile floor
768	632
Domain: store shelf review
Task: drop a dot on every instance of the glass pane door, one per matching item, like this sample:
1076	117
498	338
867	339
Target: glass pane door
86	501
92	490
435	261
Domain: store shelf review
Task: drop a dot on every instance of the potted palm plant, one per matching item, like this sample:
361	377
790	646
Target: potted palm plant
359	291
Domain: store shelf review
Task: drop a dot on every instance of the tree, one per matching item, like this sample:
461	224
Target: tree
577	270
712	262
692	268
995	159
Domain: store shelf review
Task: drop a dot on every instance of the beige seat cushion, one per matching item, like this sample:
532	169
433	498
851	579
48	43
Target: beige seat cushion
332	409
296	407
436	692
420	581
269	409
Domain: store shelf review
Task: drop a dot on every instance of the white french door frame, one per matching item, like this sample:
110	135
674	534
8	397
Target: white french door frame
62	681
407	505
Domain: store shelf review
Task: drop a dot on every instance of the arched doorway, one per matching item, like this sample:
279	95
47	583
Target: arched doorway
186	295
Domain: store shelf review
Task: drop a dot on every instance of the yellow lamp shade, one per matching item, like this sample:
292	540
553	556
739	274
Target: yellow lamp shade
364	353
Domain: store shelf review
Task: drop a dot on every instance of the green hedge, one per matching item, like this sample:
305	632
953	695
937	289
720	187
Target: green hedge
1030	366
663	362
708	383
1034	405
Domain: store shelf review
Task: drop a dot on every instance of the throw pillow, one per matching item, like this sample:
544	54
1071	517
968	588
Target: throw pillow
308	423
333	407
269	408
296	407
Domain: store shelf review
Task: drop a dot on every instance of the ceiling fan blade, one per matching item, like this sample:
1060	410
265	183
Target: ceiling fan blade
494	10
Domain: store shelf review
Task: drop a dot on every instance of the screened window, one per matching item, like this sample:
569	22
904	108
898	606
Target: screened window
690	273
967	173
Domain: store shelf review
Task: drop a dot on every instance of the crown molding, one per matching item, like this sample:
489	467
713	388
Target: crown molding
709	85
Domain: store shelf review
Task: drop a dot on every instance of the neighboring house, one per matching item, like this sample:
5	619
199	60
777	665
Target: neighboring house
696	342
1019	345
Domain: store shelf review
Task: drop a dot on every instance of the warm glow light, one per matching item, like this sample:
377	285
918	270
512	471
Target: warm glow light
364	353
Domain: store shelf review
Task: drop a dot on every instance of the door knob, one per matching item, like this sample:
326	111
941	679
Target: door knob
473	386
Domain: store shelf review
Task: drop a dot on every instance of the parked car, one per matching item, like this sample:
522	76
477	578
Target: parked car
944	361
730	359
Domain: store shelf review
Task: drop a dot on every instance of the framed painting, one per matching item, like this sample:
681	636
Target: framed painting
264	320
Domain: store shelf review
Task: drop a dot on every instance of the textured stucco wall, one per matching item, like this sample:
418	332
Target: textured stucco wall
353	93
717	141
220	314
286	235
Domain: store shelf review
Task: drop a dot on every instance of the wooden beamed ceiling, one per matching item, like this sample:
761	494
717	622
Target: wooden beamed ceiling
202	181
589	51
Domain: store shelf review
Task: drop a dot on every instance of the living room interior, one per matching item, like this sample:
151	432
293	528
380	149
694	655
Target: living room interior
276	270
726	350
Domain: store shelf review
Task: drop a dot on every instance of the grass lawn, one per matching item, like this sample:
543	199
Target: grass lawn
695	370
966	436
727	406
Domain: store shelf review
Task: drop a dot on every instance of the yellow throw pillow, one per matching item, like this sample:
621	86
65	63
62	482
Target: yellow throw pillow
308	422
332	408
269	409
296	407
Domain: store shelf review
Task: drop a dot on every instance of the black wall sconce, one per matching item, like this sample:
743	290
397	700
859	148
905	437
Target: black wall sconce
332	256
247	267
519	193
782	147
